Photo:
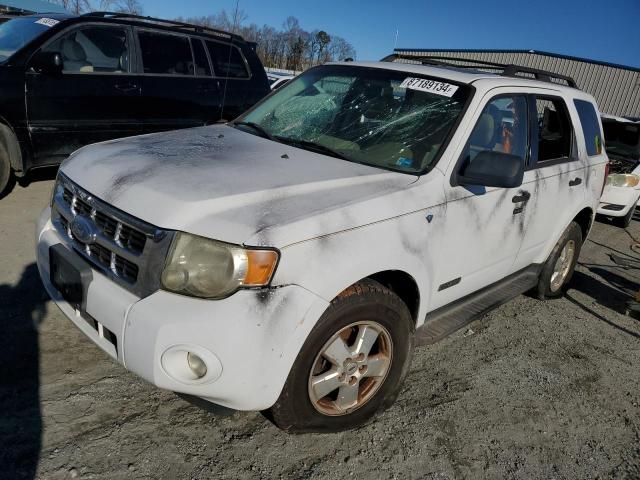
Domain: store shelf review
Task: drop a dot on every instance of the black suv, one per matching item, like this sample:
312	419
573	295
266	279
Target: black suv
67	81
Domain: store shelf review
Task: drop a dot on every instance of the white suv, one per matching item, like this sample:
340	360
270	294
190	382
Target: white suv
289	261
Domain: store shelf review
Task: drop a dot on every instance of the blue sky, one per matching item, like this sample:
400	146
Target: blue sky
607	30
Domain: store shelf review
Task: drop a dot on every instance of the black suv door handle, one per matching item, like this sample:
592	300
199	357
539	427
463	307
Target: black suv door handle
126	87
574	182
524	196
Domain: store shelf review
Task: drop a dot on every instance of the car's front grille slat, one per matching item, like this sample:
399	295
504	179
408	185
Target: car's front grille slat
128	249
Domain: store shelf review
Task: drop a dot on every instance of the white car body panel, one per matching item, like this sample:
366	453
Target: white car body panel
334	222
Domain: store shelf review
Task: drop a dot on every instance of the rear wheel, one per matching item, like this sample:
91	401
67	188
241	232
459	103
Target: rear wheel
352	364
558	269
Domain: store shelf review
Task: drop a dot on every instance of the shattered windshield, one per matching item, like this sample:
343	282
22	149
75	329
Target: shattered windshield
383	118
622	138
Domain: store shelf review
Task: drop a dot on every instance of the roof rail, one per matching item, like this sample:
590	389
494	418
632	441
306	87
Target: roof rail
502	69
163	22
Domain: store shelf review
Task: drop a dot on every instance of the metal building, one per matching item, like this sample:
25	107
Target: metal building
616	88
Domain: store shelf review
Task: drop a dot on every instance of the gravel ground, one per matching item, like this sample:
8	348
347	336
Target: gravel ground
532	390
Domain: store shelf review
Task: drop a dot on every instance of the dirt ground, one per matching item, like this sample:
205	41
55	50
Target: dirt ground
533	390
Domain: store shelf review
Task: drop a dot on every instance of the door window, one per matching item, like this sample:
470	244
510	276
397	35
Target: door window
98	49
165	54
555	135
502	127
200	57
227	60
590	126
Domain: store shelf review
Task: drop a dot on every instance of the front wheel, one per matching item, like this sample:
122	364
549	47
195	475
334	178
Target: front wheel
352	364
7	179
558	269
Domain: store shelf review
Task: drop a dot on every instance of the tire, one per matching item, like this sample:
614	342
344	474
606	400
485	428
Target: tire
626	220
7	180
365	308
554	287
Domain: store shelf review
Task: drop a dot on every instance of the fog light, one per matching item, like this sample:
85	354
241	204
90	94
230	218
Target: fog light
197	365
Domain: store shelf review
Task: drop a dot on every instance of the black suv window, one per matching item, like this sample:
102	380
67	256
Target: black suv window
555	134
93	49
227	60
165	54
590	126
200	56
502	127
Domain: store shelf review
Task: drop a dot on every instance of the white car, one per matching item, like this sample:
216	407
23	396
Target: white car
289	261
622	189
277	81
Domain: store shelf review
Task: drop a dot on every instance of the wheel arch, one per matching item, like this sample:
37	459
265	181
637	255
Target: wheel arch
404	286
584	219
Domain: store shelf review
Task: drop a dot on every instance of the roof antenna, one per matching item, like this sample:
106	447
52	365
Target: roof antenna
226	80
395	43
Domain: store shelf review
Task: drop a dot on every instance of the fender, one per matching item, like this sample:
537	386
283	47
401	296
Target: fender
328	265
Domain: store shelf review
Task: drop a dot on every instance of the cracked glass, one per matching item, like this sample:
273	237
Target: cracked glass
364	115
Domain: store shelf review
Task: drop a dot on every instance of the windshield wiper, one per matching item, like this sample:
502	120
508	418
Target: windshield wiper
258	128
315	147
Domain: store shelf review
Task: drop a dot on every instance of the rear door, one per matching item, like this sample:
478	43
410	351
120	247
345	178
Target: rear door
557	175
178	90
95	98
232	71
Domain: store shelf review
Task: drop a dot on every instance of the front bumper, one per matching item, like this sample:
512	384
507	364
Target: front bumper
616	201
249	340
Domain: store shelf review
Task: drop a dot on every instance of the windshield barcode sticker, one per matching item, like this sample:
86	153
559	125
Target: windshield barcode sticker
49	22
431	86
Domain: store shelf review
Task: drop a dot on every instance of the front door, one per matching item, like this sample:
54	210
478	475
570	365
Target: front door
95	98
484	226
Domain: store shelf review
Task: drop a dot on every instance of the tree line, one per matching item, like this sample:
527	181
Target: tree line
289	48
84	6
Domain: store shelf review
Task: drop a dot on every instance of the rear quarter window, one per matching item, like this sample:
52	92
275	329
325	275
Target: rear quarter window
590	126
227	60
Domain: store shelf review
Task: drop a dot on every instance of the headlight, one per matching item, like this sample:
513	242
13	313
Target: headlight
201	267
623	180
57	189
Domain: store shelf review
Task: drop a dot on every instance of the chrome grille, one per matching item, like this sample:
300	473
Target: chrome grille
107	259
130	251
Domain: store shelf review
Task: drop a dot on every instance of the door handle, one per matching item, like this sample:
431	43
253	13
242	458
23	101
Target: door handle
575	181
126	87
523	196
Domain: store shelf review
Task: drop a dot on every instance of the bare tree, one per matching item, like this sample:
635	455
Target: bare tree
292	48
76	6
123	6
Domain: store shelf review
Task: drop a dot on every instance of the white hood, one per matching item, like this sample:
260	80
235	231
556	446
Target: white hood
230	185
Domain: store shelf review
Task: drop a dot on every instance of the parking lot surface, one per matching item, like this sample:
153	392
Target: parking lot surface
532	390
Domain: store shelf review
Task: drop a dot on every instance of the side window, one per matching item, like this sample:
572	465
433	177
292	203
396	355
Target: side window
93	49
165	54
555	134
227	60
201	62
590	126
502	127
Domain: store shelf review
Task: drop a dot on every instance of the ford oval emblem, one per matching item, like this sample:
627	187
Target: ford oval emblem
83	229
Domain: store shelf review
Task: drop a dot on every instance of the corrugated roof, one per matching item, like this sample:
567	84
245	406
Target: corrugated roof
34	6
616	88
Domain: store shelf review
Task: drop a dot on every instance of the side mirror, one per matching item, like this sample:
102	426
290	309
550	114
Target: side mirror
47	62
494	169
